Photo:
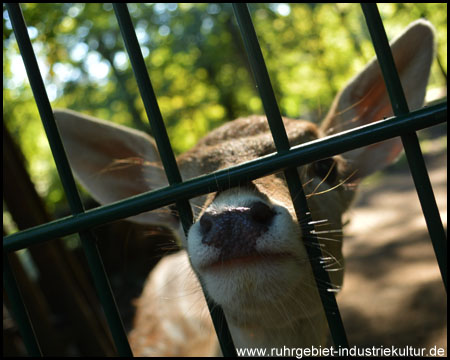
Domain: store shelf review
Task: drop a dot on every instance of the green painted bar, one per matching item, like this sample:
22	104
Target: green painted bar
167	156
427	200
147	93
19	311
45	110
297	156
409	140
272	111
151	106
261	76
385	59
87	239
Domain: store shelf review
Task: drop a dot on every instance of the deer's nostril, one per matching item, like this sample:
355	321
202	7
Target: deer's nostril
205	224
261	213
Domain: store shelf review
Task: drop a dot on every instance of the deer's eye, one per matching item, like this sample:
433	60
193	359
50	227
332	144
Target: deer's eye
324	169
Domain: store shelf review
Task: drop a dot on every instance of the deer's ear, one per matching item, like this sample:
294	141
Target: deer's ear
113	162
365	97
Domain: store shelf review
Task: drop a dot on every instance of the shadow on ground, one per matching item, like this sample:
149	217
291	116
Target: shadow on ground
393	294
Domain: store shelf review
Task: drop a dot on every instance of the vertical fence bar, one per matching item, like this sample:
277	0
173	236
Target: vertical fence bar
409	140
292	178
19	311
87	239
151	106
167	156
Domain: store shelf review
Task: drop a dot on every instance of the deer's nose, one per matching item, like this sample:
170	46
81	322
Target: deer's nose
235	230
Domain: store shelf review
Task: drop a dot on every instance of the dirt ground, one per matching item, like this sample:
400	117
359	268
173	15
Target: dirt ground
393	294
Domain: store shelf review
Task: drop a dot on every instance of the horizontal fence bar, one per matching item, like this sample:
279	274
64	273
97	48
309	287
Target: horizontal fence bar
297	156
88	241
409	140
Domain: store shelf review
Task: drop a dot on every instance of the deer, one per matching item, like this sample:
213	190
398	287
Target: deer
245	245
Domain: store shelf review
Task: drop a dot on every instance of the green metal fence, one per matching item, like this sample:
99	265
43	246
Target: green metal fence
404	124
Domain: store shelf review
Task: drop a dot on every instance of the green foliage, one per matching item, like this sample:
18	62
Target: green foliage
196	62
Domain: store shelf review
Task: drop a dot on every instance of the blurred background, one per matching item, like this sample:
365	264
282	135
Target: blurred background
200	74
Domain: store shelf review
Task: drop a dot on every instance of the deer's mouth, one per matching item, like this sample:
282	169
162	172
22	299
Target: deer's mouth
247	260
